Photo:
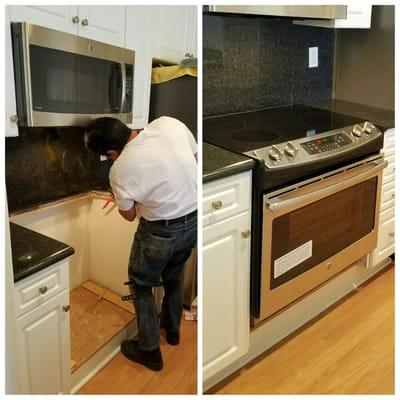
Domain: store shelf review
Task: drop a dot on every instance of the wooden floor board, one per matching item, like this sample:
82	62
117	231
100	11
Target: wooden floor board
349	350
93	323
179	375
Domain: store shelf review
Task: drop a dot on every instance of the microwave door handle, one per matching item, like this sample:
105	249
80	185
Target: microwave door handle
123	81
276	203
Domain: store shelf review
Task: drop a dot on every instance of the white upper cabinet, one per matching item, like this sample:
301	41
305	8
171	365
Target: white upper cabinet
103	23
192	44
137	38
358	16
11	106
175	28
53	17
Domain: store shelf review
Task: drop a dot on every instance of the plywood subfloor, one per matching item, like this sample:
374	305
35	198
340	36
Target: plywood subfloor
349	350
179	375
93	324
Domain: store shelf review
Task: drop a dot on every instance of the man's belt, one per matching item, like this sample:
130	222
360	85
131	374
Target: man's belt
175	220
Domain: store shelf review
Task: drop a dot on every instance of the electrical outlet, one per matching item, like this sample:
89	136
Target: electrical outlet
312	57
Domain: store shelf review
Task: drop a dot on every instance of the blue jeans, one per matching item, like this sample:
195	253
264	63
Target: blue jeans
159	252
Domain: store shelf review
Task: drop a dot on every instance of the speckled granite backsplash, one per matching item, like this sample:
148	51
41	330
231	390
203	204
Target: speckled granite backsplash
251	63
44	164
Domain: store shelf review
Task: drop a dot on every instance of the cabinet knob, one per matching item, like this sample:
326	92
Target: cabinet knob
391	234
14	118
85	22
329	265
43	289
216	205
66	308
75	20
246	234
393	195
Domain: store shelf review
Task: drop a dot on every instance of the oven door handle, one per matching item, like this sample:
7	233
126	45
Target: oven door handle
276	203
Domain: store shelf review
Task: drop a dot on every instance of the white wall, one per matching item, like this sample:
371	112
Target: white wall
110	243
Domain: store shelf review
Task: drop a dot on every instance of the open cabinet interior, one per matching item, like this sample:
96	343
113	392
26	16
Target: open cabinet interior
98	269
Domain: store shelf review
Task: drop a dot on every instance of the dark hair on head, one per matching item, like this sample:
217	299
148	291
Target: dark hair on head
105	134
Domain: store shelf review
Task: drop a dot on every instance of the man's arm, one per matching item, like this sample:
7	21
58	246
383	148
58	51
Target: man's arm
130	214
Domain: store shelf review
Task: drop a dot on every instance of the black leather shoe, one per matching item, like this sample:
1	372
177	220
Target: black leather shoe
150	359
172	338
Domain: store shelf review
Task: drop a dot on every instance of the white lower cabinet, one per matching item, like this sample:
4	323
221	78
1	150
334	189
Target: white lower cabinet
43	330
44	347
226	290
385	246
386	239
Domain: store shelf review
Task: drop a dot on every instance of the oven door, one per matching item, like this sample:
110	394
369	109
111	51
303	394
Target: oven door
315	230
64	79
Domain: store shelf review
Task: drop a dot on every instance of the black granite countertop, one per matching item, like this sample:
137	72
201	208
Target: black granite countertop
32	251
378	116
219	163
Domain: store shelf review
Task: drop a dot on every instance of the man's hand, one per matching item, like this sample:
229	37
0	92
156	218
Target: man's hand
130	214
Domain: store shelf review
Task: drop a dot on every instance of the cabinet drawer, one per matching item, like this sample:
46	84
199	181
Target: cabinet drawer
385	245
386	232
226	197
388	174
388	139
388	195
34	290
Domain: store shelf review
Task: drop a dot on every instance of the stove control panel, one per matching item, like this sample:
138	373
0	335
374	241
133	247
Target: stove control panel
320	146
326	143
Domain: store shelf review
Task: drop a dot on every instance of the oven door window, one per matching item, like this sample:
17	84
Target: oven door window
317	231
100	86
54	87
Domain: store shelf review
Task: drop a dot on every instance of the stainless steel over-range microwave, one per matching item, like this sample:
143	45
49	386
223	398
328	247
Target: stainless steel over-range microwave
63	79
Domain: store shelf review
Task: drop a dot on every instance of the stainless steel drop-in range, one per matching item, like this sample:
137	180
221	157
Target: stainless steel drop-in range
316	195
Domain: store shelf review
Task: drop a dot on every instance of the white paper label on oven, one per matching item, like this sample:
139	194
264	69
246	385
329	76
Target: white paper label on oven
293	258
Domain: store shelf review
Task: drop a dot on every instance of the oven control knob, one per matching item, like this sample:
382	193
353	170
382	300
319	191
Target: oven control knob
291	150
275	153
357	130
369	128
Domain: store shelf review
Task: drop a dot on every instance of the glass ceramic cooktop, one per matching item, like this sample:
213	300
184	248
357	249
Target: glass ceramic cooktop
255	129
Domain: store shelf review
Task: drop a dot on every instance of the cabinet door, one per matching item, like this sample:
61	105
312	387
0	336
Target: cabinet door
53	17
44	348
103	23
172	32
11	106
138	38
226	313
